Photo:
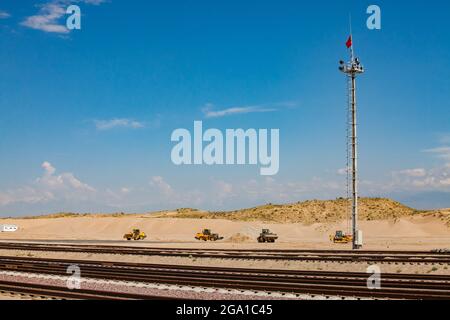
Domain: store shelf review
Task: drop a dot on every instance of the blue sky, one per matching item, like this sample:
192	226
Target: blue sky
86	115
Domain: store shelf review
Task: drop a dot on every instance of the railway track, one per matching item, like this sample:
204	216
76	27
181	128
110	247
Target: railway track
346	284
423	257
33	290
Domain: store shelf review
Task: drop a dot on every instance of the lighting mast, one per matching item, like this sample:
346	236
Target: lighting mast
352	69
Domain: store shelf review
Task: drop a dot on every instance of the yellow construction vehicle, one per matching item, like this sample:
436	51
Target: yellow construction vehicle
206	235
136	234
267	236
341	237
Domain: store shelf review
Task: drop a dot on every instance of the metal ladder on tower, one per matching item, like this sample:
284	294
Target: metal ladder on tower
349	153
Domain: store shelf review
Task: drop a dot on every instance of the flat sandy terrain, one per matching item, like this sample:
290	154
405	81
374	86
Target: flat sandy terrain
413	233
409	233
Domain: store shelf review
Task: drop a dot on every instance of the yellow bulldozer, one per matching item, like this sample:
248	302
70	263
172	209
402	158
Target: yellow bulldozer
136	234
341	237
206	235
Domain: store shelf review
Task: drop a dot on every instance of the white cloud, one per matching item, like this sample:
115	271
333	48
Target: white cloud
221	191
125	190
64	181
165	196
4	15
269	189
48	187
50	17
434	179
287	104
444	138
25	194
421	179
49	169
93	2
342	171
210	113
226	194
223	188
419	172
440	152
161	185
118	123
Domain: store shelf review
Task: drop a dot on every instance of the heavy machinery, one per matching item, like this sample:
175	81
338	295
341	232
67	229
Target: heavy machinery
136	234
341	237
206	235
267	236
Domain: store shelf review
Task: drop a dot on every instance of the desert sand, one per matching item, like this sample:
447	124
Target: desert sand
386	224
415	233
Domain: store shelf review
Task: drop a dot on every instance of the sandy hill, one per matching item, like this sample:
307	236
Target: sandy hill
314	211
306	212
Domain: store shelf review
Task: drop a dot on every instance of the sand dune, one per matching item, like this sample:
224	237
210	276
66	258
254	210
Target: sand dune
315	211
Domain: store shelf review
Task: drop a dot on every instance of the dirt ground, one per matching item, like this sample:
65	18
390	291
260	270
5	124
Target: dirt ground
409	233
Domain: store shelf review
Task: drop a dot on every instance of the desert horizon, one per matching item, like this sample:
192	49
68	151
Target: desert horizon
393	207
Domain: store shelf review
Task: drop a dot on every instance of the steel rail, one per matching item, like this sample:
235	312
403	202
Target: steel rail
302	255
325	283
59	292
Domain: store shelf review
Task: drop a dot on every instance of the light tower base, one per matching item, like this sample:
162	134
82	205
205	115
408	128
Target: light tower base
358	240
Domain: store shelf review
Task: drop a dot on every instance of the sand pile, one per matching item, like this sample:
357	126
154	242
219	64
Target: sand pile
239	238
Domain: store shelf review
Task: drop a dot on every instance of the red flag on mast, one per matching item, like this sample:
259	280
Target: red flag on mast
349	42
